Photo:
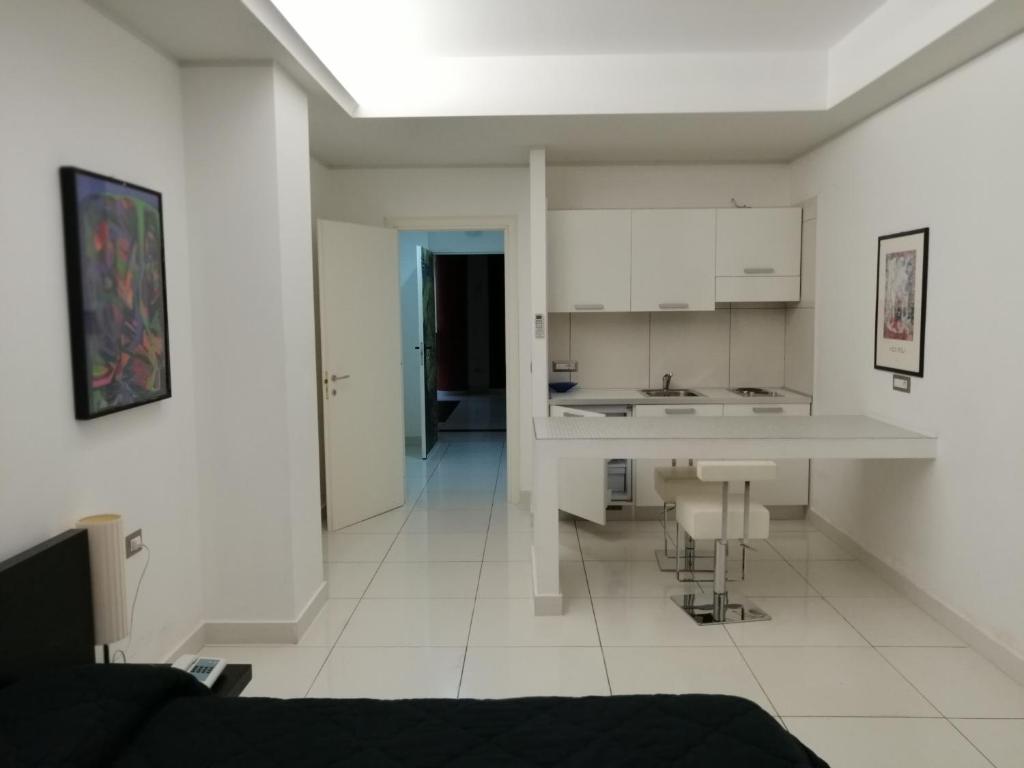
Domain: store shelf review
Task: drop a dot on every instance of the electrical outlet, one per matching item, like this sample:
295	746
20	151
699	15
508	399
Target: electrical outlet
133	543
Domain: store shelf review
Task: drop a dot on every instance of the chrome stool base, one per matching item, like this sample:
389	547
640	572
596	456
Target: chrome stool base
731	610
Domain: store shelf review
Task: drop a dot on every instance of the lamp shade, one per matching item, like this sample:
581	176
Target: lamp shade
106	563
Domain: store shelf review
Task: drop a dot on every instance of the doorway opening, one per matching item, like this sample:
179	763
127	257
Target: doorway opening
374	367
452	285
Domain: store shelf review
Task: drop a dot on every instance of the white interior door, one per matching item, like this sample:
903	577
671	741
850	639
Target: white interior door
427	295
582	483
360	325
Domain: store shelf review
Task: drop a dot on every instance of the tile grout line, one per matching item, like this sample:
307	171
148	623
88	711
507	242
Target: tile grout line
875	648
743	656
826	599
479	573
968	740
593	610
359	600
882	655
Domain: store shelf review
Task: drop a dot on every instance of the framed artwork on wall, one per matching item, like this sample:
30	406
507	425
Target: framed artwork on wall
901	294
117	293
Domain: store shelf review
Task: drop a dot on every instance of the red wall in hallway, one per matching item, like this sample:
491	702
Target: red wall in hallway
450	284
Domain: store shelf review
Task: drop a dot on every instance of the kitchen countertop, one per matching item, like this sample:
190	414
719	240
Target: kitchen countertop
708	396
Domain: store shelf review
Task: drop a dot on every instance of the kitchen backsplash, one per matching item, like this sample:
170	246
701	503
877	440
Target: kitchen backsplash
729	347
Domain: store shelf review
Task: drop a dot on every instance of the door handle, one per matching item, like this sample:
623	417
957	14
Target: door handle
588	307
341	378
759	271
680	411
674	305
768	409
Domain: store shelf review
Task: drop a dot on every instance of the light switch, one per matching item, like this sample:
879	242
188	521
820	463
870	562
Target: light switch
901	383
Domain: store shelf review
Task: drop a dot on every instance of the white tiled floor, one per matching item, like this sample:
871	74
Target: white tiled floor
434	599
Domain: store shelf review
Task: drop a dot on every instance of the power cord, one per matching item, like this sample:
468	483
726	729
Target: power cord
131	616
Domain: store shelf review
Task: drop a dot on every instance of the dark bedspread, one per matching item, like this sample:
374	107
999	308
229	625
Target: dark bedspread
148	717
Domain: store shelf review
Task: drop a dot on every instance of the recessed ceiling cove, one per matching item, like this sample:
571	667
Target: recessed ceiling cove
435	58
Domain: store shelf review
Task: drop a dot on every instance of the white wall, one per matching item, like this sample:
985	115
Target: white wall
666	186
248	189
949	157
473	242
79	90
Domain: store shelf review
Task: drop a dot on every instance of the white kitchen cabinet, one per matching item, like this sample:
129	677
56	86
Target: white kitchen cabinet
588	261
789	488
644	494
673	260
757	254
582	483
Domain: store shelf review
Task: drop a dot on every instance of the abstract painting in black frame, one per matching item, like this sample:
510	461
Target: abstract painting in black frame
117	293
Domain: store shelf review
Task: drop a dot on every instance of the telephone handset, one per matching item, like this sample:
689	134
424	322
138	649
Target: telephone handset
204	669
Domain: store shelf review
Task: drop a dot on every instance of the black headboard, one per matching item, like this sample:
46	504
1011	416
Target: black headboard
46	607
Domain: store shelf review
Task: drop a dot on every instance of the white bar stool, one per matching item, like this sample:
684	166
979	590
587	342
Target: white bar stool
669	484
733	517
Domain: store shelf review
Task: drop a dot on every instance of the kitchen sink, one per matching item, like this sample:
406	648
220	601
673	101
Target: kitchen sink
670	393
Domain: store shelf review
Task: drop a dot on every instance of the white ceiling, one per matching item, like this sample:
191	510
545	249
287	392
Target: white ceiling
945	34
420	58
585	27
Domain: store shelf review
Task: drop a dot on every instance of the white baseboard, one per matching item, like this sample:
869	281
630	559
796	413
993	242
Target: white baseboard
951	619
267	632
313	606
195	640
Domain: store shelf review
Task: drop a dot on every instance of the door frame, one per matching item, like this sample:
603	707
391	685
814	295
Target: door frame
508	225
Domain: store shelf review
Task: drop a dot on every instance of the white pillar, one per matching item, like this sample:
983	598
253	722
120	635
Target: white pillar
547	591
539	280
247	165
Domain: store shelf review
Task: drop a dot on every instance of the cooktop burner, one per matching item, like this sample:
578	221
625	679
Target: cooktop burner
755	392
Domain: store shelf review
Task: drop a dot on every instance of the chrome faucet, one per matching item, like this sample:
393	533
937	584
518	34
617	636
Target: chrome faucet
665	381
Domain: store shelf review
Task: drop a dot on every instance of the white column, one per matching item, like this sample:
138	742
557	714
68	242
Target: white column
539	281
547	592
247	166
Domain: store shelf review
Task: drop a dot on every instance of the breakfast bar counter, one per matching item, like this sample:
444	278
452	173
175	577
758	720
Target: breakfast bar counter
727	437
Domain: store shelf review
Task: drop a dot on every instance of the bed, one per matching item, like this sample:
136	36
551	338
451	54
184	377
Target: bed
58	711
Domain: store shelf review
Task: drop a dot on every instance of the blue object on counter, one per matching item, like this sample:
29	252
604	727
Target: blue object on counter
561	386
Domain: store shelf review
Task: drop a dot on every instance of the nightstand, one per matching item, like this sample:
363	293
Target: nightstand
232	680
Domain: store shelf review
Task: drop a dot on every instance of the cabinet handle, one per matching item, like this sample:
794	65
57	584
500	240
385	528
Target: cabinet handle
768	409
680	411
674	305
586	307
759	270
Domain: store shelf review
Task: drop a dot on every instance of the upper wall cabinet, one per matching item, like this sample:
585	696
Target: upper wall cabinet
673	260
758	254
588	261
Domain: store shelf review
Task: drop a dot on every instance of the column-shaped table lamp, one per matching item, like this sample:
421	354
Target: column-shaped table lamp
106	563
